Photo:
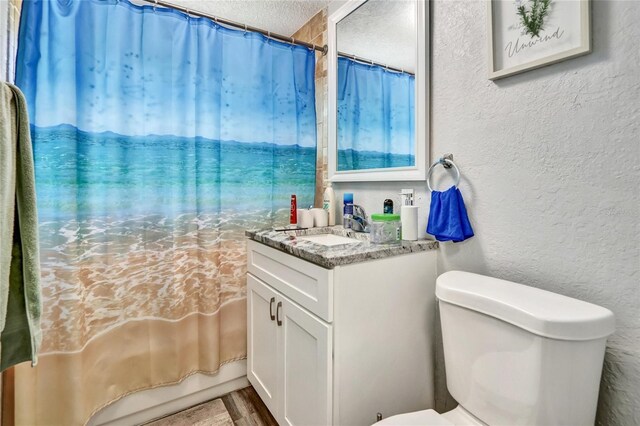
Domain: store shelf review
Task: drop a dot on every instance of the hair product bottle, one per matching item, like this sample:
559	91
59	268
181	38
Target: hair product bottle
329	204
293	213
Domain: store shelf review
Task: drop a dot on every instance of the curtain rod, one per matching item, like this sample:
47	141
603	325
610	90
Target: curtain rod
370	62
324	49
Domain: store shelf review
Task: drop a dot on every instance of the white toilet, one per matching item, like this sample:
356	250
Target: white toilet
516	355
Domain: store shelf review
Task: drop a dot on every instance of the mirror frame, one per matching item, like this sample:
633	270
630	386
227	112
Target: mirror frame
422	132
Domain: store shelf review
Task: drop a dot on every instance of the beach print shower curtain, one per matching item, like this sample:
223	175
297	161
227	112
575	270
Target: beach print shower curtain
158	139
376	117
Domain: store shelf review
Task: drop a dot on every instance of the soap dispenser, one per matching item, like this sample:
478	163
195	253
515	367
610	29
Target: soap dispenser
408	215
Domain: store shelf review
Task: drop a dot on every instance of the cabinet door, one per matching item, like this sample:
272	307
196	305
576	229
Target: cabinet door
305	367
262	341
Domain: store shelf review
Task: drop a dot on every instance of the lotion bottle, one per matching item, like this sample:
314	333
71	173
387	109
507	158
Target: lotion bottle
329	204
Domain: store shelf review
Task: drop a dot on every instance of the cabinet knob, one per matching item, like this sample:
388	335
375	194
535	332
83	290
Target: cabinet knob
271	314
278	308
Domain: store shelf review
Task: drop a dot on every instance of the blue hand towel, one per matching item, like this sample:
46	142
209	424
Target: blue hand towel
448	220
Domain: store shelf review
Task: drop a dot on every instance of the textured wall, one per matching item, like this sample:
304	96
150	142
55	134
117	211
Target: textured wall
551	159
278	16
551	165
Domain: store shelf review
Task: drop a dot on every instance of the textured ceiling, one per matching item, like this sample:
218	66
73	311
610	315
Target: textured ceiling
279	16
383	31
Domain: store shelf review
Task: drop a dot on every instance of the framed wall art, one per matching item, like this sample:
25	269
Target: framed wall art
528	34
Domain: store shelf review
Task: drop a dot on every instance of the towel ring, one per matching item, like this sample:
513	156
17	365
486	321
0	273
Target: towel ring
443	161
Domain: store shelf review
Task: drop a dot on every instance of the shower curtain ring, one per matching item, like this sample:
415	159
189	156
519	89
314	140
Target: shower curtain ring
155	5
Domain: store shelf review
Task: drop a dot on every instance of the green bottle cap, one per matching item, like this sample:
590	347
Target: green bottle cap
385	217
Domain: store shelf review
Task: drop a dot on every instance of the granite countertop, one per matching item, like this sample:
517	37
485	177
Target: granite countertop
331	256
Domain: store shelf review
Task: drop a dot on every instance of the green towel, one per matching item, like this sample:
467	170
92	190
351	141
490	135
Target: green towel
20	305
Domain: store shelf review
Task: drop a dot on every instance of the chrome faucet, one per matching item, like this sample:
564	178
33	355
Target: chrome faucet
358	222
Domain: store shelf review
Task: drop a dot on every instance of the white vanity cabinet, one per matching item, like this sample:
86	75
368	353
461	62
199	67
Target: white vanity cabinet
289	357
336	346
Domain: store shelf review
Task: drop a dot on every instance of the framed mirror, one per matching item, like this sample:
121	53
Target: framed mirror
378	91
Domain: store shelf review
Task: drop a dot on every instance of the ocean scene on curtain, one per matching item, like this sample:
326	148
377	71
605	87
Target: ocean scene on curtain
158	139
376	117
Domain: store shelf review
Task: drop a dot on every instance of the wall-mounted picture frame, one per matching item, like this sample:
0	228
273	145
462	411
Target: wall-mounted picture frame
529	34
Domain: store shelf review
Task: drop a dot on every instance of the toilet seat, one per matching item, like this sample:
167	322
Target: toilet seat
456	417
417	418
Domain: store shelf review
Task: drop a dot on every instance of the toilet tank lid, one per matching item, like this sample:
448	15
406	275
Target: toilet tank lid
538	311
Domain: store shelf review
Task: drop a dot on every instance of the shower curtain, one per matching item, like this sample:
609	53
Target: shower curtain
376	117
158	138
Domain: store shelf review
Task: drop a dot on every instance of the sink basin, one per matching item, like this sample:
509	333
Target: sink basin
328	239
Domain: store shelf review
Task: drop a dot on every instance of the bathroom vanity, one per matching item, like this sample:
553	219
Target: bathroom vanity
339	329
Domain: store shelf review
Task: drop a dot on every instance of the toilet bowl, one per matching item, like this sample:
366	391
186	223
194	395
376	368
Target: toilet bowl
516	355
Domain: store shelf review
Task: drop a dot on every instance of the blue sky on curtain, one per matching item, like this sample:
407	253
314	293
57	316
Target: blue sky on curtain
158	138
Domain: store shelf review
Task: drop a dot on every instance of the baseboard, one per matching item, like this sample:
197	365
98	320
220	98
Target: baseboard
144	406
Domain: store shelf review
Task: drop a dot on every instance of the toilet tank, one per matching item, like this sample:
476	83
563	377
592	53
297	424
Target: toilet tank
518	355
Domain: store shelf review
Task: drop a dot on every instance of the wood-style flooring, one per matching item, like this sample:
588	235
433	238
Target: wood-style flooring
241	408
247	409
